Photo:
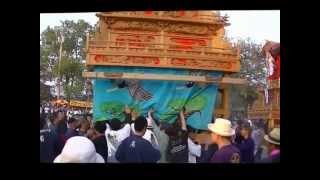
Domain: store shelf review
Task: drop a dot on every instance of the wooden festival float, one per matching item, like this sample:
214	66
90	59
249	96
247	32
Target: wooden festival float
75	104
191	40
267	106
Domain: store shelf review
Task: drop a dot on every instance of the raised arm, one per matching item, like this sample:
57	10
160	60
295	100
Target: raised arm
154	124
183	121
156	129
127	113
150	117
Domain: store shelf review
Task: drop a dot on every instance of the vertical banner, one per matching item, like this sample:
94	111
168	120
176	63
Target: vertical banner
167	98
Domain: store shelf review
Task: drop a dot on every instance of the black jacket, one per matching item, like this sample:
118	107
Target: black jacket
101	146
50	146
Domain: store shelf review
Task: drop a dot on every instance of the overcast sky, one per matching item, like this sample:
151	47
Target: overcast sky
258	25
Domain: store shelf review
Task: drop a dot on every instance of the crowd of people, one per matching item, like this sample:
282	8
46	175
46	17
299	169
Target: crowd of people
138	139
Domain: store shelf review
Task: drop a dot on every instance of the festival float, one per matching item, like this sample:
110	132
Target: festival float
59	102
165	60
80	104
267	106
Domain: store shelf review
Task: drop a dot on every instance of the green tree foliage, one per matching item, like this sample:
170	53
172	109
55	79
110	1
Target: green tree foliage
70	70
75	37
73	91
253	69
71	65
253	66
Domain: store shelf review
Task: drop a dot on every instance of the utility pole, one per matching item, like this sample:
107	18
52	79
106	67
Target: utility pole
61	39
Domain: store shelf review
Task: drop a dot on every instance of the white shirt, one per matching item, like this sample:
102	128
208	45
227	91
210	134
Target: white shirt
69	114
194	151
114	138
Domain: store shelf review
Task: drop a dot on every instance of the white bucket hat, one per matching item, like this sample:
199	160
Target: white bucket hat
274	136
79	149
221	127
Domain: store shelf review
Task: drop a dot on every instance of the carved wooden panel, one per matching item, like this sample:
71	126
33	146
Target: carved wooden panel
265	111
184	42
133	39
162	62
275	115
130	39
135	25
188	29
124	60
183	62
154	26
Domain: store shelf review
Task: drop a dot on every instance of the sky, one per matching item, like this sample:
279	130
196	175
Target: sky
257	25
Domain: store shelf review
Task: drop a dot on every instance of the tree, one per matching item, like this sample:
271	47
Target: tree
75	38
74	91
70	70
49	45
48	53
71	65
253	66
253	69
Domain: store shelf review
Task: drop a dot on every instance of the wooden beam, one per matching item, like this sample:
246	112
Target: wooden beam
164	18
229	80
163	77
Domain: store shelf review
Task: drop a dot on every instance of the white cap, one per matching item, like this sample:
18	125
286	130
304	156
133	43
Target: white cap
221	127
79	149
